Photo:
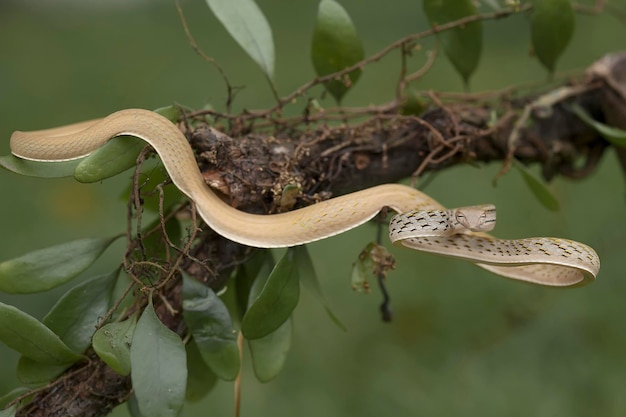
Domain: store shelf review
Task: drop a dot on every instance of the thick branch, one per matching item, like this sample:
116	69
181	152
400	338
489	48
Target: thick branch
253	170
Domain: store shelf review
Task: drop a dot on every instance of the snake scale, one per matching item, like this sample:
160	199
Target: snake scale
421	223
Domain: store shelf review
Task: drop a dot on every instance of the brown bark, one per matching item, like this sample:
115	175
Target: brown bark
253	169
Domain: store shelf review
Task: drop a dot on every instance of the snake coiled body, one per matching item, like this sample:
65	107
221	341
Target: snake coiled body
547	261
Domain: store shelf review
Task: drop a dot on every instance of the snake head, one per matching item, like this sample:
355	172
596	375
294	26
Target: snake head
477	218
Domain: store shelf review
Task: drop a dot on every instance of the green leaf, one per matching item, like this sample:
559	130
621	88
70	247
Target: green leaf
124	299
75	316
112	344
362	269
154	174
27	335
615	136
552	26
158	367
335	46
39	168
463	45
270	352
413	103
33	373
246	23
11	395
171	112
133	407
9	412
538	188
112	158
308	278
209	321
200	378
255	269
44	269
276	301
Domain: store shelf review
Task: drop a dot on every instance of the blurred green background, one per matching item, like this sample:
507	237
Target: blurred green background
463	342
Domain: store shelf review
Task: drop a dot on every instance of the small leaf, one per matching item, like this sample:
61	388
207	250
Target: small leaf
44	269
31	338
308	278
615	136
39	168
171	112
270	352
463	45
335	46
276	301
538	188
200	378
9	412
158	367
33	373
374	260
112	344
552	26
362	269
413	104
246	23
212	329
75	316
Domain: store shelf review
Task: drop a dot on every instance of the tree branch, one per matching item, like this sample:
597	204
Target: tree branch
253	169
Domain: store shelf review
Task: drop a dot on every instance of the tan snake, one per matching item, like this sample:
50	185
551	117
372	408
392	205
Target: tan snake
419	224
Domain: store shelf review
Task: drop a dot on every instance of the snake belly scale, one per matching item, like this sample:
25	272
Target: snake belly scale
547	261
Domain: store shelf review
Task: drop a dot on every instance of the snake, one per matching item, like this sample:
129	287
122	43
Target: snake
421	223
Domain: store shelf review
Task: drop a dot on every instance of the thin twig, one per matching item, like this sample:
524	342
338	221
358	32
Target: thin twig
199	51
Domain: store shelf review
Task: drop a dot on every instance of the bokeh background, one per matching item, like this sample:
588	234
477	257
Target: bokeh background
463	342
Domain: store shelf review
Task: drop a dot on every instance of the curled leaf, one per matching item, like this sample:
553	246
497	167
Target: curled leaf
335	46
